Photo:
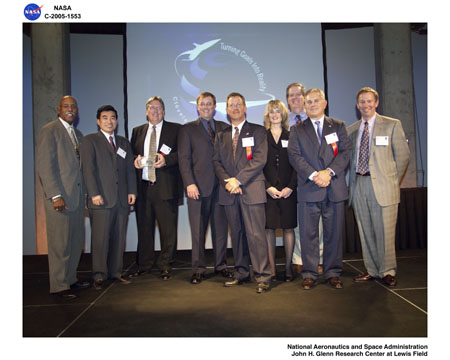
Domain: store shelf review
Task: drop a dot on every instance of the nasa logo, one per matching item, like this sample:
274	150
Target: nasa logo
207	61
32	12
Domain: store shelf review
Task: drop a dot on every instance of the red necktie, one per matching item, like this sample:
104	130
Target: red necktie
111	141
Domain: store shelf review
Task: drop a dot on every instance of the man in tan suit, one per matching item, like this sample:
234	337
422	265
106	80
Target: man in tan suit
380	156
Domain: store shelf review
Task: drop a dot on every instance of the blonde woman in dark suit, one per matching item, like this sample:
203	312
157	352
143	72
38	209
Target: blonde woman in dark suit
281	182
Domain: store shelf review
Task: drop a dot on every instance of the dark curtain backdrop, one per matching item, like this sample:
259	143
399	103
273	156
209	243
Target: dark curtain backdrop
411	230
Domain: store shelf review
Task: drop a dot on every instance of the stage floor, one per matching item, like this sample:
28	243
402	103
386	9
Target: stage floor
150	307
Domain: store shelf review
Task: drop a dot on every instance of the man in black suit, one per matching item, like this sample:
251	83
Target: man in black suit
107	162
319	150
240	153
195	150
160	190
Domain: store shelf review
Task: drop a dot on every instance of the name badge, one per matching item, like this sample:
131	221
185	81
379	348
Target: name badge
165	150
382	140
121	152
284	143
248	141
331	138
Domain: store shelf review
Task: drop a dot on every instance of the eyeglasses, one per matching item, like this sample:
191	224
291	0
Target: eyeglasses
155	108
236	106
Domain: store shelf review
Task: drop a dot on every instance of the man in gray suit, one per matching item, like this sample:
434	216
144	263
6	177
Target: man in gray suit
110	180
59	170
240	153
378	163
319	150
195	150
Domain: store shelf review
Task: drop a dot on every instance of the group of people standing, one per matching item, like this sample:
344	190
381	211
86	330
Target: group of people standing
242	178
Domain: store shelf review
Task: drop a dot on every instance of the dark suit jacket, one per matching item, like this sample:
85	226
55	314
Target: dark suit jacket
168	177
306	156
105	172
57	164
278	171
248	172
195	152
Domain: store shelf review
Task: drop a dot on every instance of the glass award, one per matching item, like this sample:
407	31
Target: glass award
147	161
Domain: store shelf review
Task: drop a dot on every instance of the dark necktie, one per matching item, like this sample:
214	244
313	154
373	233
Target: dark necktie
211	132
235	141
363	160
298	119
111	141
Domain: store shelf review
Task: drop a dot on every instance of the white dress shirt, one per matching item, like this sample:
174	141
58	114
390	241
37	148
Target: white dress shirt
108	136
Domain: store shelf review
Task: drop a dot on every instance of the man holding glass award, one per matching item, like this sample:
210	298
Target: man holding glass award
160	190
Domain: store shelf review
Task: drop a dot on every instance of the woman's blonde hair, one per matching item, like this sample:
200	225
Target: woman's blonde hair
277	104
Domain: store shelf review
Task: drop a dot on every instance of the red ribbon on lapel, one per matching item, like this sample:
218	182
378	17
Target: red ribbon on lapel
248	149
335	148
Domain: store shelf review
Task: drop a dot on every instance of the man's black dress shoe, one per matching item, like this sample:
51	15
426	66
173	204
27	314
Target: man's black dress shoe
225	273
335	282
139	273
389	280
165	275
98	284
235	282
196	278
363	278
262	287
308	283
80	285
65	295
122	280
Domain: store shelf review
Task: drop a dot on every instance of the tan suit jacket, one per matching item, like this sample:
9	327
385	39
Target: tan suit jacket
387	164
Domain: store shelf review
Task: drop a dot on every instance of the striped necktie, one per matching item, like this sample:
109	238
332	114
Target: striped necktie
235	141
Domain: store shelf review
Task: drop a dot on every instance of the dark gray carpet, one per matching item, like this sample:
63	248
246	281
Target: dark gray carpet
150	307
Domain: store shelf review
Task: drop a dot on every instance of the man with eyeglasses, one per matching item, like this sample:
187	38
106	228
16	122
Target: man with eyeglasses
195	151
319	150
160	191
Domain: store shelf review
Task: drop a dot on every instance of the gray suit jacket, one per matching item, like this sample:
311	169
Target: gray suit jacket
106	173
387	164
57	164
195	152
306	156
248	172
